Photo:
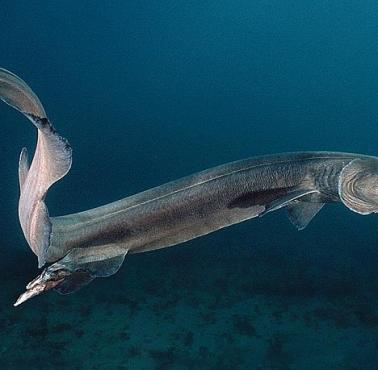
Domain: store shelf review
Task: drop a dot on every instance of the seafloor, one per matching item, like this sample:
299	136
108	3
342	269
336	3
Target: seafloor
220	302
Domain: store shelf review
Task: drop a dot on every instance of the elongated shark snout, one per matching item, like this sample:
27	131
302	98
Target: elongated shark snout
50	278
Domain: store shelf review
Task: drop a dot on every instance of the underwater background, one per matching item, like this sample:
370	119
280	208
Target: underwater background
150	91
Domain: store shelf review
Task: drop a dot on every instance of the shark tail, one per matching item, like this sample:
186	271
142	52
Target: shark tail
52	160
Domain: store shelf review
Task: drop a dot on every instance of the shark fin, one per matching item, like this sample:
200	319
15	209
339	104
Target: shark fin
74	282
301	213
286	199
86	264
52	160
77	269
19	95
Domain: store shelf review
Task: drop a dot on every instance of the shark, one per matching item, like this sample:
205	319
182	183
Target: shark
74	249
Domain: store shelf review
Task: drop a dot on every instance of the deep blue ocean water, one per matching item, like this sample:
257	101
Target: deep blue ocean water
147	92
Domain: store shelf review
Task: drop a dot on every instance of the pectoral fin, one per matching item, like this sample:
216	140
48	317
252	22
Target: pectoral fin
286	199
301	213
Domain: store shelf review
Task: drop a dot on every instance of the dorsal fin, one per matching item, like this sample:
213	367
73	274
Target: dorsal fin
23	167
301	213
52	160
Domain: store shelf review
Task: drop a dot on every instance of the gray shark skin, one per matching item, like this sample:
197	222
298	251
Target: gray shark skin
82	246
52	160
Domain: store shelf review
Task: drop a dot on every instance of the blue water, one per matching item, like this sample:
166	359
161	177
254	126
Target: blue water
147	92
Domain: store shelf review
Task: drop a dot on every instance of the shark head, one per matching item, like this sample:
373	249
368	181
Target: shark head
358	185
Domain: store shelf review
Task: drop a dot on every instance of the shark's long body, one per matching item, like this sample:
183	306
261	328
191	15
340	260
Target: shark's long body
93	243
204	202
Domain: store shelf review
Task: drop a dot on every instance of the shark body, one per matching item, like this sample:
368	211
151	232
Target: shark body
82	246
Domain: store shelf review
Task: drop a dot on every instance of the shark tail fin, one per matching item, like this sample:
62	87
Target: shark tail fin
52	160
75	270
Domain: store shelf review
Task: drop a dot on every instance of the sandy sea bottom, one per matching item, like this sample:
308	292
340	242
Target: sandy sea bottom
187	308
